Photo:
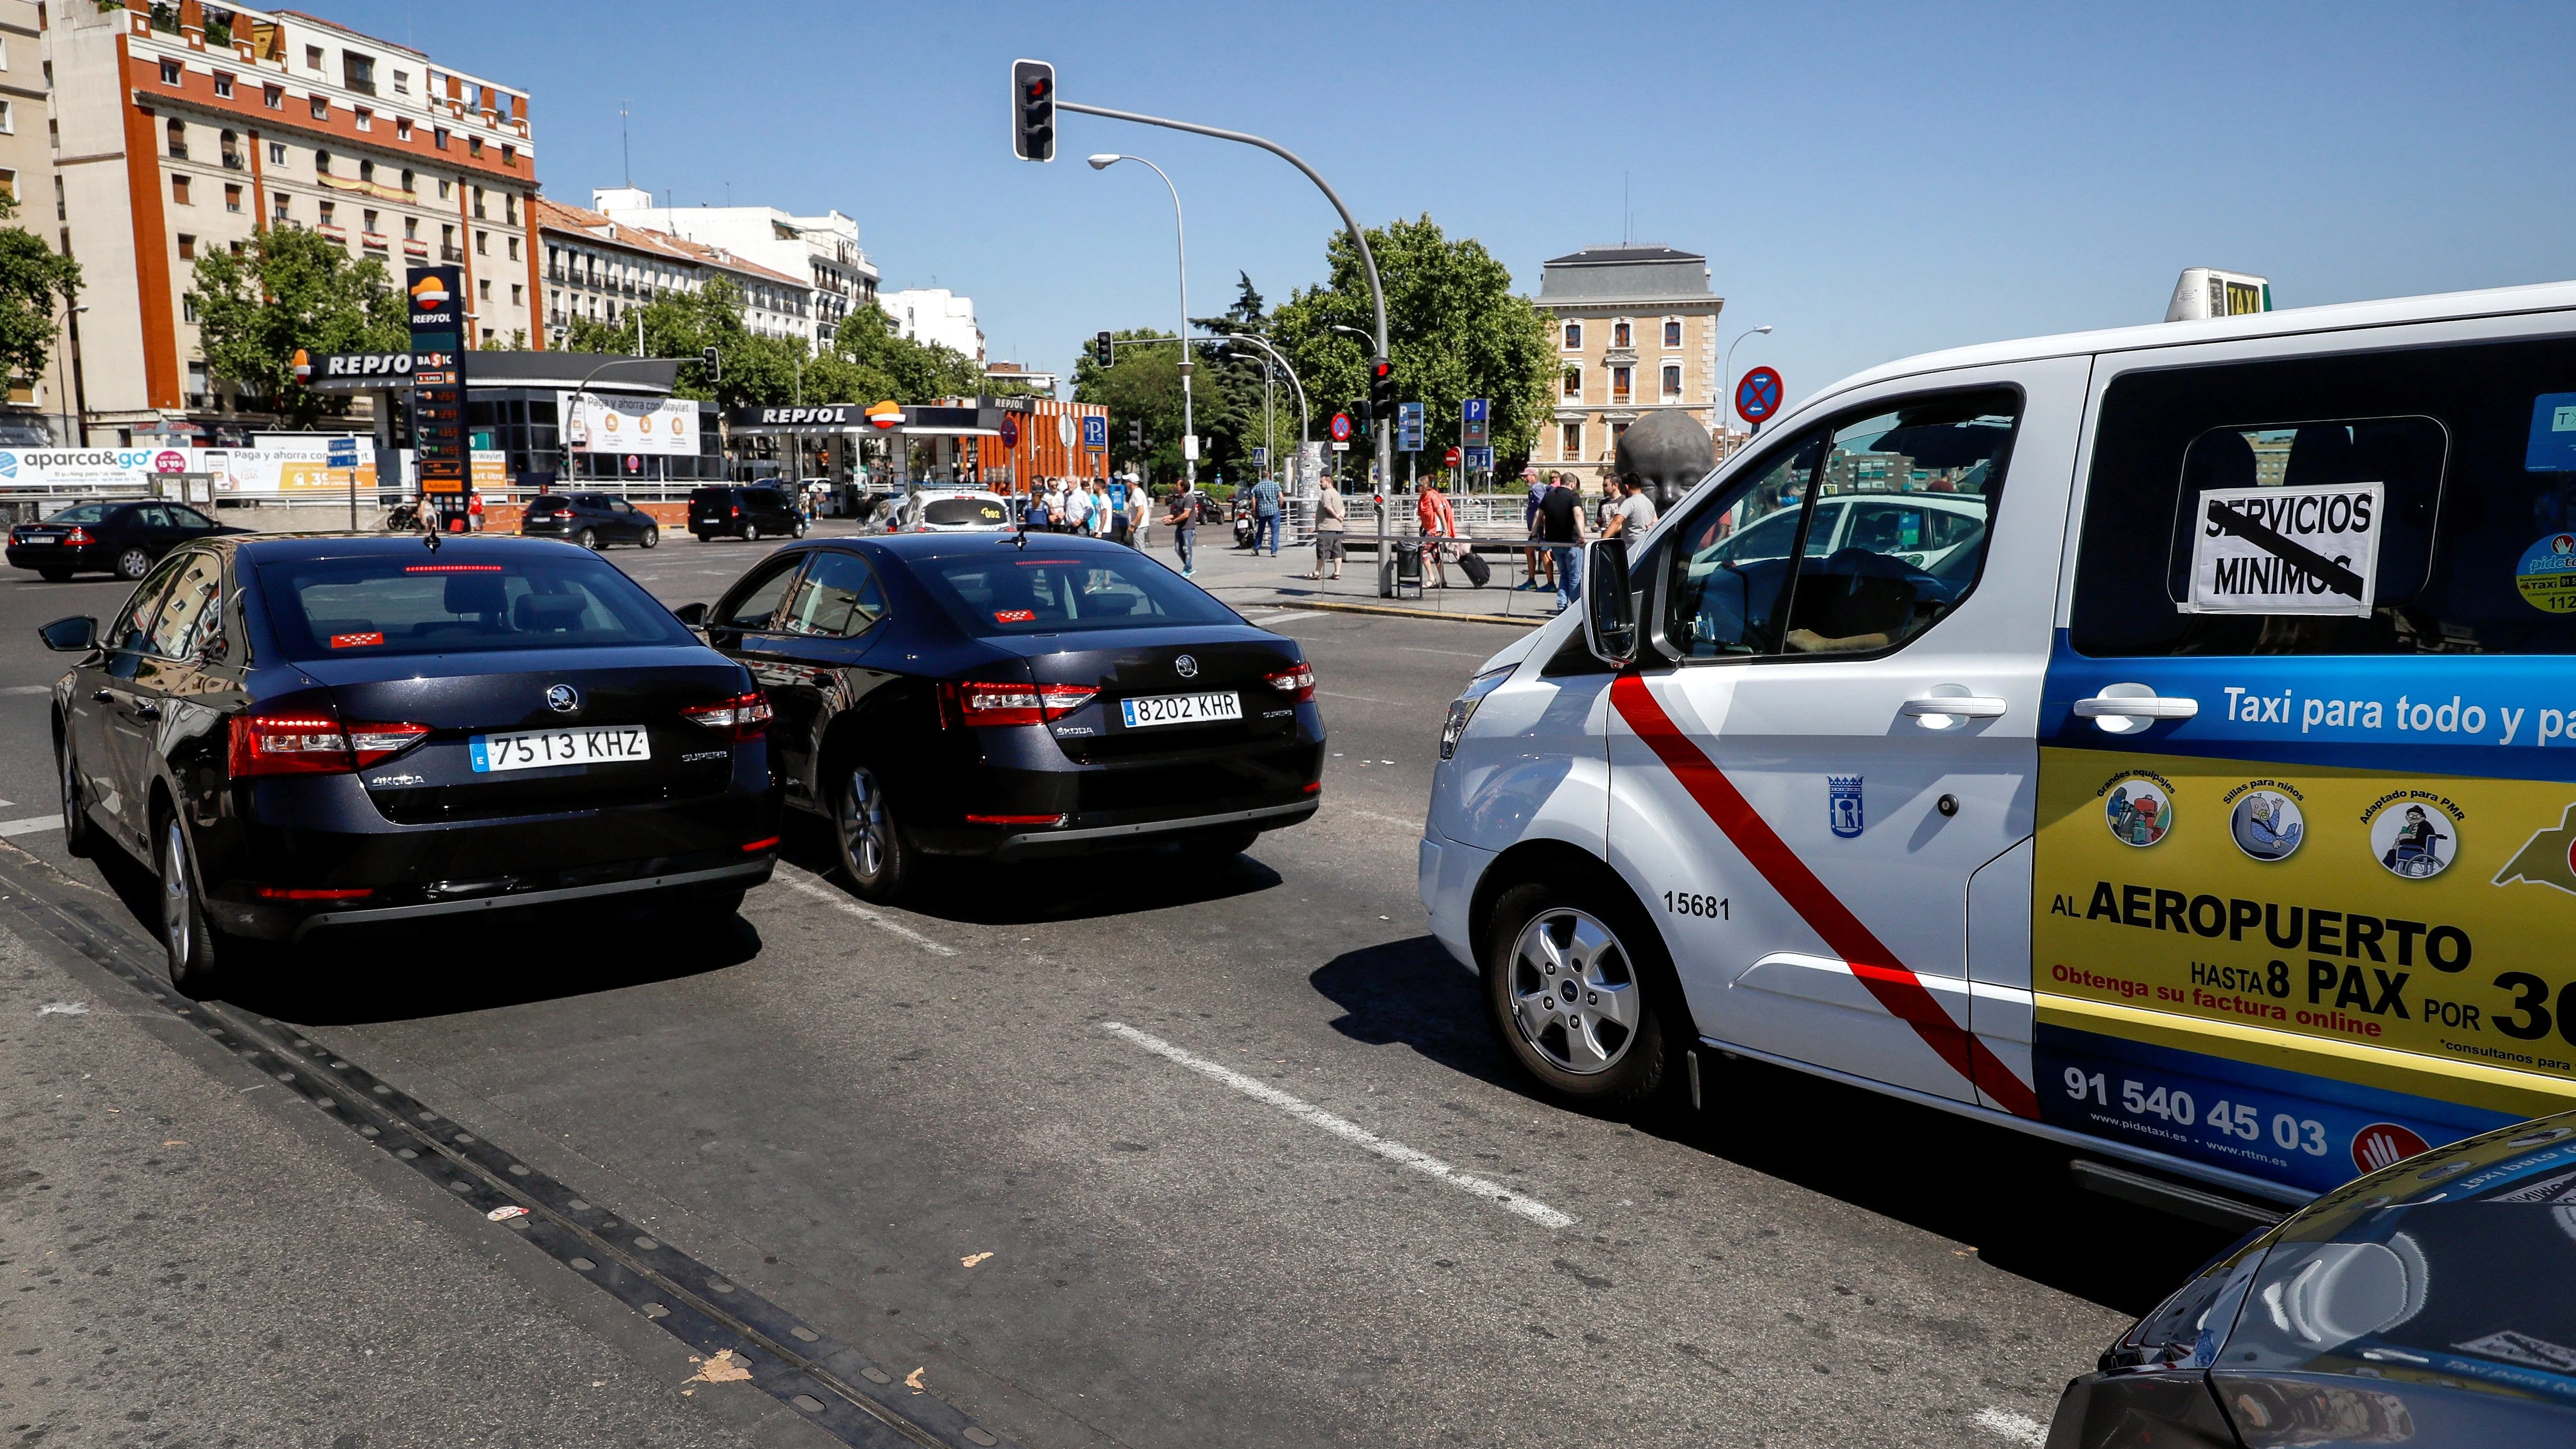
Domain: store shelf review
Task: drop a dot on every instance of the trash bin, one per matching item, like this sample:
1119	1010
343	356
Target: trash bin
1407	578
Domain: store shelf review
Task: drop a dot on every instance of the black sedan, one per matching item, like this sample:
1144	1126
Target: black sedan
2432	1304
593	520
302	733
1012	697
124	539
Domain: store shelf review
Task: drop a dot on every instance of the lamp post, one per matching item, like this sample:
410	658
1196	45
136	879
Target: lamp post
1181	243
1726	381
62	365
1305	419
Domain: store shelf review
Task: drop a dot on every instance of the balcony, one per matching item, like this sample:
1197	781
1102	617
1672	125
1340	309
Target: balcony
555	273
178	150
334	231
233	161
374	241
450	252
556	318
415	247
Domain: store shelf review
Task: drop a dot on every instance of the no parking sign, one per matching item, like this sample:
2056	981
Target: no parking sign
1758	395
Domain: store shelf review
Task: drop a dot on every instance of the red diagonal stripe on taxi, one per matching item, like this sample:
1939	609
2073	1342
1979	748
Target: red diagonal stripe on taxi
1895	987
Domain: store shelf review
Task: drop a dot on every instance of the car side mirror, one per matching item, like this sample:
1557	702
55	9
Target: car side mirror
1609	607
693	615
70	636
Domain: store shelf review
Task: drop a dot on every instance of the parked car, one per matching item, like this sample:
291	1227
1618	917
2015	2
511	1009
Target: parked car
1012	697
752	512
124	539
593	520
301	733
2431	1304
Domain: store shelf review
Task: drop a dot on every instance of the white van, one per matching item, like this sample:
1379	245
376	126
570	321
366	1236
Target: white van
2195	784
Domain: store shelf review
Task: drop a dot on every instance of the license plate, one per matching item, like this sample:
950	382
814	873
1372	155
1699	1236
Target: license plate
538	749
39	538
1172	709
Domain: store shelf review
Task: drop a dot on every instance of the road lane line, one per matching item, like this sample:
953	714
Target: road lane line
1362	698
2005	1424
805	885
1349	1131
30	827
28	689
1412	825
1453	653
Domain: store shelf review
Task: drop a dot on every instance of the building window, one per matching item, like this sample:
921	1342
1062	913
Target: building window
510	207
474	146
1619	384
187	247
1574	382
366	119
402	128
171	72
483	243
1612	450
1672	379
1569	441
321	163
280	207
509	155
273	97
223	85
513	243
484	288
518	295
196	370
370	220
411	228
179	190
276	153
1573	336
312	57
487	334
321	108
410	183
232	197
442	188
438	138
1619	335
1672	332
358	72
447	242
329	212
8	120
478	203
366	170
402	82
178	140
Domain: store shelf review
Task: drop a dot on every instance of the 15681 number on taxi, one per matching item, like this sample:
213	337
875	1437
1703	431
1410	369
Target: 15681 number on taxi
1684	903
538	749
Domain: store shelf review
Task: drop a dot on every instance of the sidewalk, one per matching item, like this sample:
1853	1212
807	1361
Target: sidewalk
1248	581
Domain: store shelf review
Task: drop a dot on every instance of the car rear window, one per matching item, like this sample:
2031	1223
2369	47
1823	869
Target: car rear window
85	513
954	511
1046	591
422	604
716	497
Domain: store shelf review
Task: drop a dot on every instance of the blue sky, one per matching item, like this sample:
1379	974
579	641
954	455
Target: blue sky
1871	180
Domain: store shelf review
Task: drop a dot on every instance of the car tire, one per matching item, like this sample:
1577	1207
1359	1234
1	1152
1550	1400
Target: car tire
800	528
588	538
874	858
190	944
54	576
81	837
1579	992
751	533
652	538
133	564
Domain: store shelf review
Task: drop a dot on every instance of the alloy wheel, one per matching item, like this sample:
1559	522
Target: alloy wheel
1574	993
589	539
863	824
134	563
178	907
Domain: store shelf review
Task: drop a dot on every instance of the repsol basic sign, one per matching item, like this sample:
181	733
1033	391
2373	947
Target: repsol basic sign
360	371
819	415
2304	550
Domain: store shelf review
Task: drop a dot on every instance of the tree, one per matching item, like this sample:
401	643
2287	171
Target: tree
288	290
1143	383
32	278
1455	328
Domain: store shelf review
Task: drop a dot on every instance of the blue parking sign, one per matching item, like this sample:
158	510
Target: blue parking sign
1095	433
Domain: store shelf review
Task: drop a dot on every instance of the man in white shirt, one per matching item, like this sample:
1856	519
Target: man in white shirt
1635	512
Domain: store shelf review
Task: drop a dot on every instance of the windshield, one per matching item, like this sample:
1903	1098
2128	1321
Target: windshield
407	604
954	511
86	513
1007	591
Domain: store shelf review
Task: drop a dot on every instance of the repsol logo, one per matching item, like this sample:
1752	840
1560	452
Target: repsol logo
367	364
800	415
2309	929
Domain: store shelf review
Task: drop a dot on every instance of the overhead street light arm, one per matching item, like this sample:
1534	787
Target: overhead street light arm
565	435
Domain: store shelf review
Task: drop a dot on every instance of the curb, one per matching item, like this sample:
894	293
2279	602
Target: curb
1524	621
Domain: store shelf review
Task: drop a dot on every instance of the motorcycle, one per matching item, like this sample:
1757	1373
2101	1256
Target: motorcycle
403	517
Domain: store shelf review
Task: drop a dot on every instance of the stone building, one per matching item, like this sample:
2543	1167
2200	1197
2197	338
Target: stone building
1636	330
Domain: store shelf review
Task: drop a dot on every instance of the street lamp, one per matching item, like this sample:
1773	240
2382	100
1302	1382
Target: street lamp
1181	240
1726	380
1305	421
62	366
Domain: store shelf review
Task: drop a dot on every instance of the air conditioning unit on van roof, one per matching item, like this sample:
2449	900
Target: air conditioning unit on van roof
2209	292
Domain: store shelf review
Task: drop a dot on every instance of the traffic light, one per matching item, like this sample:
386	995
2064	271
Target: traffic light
1032	110
1136	435
1102	351
713	361
1381	385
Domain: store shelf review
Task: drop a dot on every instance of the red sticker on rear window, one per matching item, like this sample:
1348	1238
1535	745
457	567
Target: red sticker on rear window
353	641
1014	616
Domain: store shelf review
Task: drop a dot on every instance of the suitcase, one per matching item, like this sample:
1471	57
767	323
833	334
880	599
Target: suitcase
1478	571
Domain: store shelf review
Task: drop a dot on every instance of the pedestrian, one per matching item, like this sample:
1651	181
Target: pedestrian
1560	522
1182	514
1039	516
1635	513
1439	523
1332	524
1140	514
1538	563
1265	515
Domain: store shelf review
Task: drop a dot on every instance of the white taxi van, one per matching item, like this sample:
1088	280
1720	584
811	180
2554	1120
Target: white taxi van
2192	779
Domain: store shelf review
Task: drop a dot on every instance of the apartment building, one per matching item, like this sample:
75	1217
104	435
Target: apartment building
27	176
935	314
601	269
1636	329
181	128
818	254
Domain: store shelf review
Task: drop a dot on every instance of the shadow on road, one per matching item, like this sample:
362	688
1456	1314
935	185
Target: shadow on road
1089	887
2008	1195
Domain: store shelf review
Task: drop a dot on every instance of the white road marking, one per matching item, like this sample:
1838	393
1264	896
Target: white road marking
1362	698
28	689
1454	653
2019	1428
1349	1131
806	885
30	827
1413	825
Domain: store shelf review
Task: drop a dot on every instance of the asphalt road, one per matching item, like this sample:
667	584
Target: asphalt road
1145	1150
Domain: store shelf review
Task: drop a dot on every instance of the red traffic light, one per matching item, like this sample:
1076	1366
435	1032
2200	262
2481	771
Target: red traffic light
1380	369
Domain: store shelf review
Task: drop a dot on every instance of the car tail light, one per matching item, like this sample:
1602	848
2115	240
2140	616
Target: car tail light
746	715
1047	820
1297	682
981	705
78	537
737	511
297	893
313	744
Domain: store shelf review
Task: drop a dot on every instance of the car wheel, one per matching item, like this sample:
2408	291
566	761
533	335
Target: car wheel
133	564
80	837
873	855
54	576
189	942
652	538
588	538
751	533
800	528
1572	995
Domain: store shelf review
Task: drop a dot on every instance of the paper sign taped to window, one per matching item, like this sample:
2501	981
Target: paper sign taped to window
2304	550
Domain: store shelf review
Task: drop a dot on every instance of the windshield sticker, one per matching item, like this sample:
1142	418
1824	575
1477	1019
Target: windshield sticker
355	641
2265	819
2553	434
2415	834
2138	807
2546	576
1014	616
2303	550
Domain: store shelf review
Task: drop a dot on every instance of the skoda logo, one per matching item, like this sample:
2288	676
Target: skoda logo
1186	667
562	698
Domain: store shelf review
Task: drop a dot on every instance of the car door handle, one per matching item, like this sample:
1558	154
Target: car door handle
146	709
1964	706
2125	709
102	696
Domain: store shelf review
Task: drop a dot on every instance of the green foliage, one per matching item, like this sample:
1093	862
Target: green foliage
286	290
866	362
1456	331
32	279
1143	383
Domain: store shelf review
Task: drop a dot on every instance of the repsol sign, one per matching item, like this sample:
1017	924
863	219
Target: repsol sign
821	415
366	364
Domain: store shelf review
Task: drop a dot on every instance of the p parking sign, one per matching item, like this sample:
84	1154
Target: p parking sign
1095	434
